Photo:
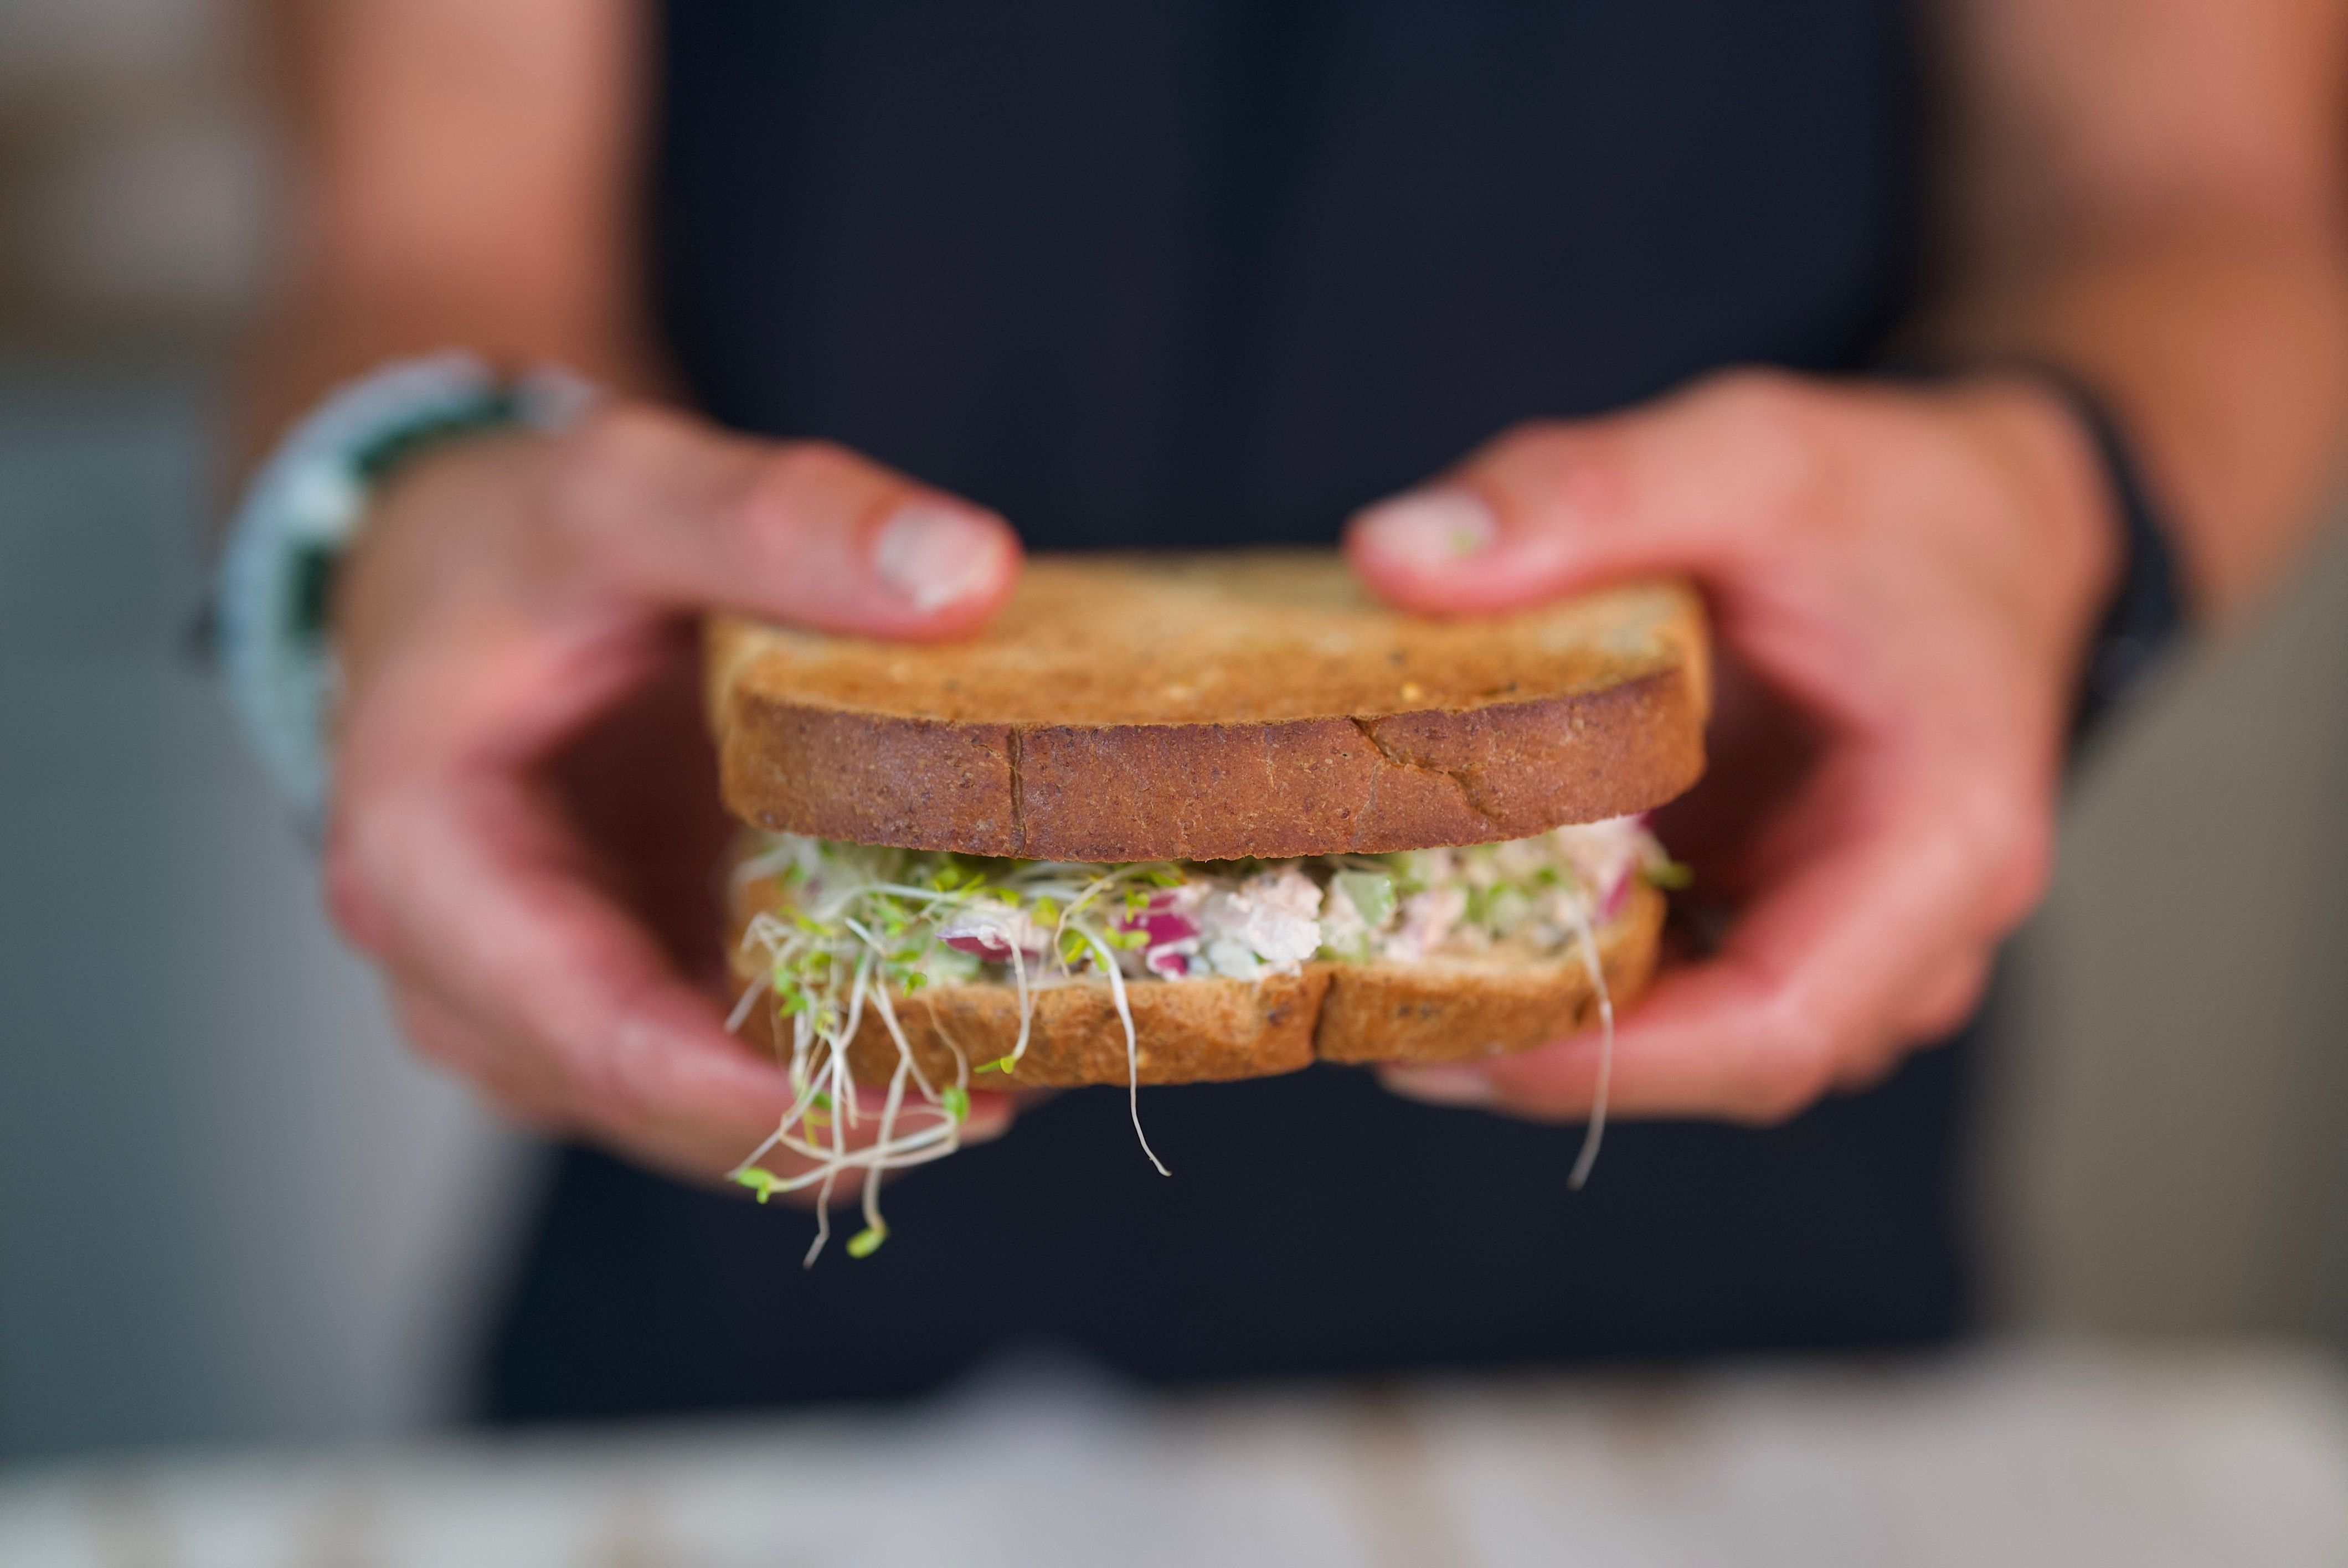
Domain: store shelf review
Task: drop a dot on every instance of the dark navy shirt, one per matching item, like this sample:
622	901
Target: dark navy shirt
1197	272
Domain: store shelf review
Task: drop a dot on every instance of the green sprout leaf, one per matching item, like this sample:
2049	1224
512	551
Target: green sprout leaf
1672	875
1372	893
867	1242
956	1100
761	1182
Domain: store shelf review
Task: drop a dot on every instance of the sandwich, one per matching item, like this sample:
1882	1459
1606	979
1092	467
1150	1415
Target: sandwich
1174	819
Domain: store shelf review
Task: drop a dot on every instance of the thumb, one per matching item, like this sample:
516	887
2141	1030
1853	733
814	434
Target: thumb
1549	508
688	517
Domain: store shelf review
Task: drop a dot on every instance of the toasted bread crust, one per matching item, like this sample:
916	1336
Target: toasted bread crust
1435	1012
1028	740
1205	1031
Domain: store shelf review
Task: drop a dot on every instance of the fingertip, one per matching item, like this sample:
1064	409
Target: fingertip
1450	550
1558	1080
1417	549
1447	1083
947	565
1432	531
352	903
987	1121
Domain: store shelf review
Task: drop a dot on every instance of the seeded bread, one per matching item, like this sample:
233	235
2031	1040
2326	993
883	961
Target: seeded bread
1201	1031
1210	707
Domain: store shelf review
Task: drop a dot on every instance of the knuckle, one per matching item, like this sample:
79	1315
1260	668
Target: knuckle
2007	830
2019	882
1563	475
770	511
513	1088
608	466
525	1105
797	471
1871	1068
606	1099
603	453
351	865
1752	389
1775	439
1767	403
1792	1065
1950	1010
1526	438
436	1047
612	1074
818	457
2026	869
620	438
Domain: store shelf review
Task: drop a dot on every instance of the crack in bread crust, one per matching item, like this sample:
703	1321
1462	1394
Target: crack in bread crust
1460	777
1018	796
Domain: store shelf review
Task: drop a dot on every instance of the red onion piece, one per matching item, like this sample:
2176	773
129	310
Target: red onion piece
1160	922
982	944
1616	896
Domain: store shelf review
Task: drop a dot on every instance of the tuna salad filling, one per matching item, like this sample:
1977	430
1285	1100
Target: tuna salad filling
855	924
923	917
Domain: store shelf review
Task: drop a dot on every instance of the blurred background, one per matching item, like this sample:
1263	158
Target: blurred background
231	1211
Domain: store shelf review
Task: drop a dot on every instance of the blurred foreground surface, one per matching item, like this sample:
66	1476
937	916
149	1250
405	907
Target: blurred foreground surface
2014	1456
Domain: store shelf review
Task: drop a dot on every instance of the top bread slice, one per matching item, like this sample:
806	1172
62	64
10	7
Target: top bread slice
1210	707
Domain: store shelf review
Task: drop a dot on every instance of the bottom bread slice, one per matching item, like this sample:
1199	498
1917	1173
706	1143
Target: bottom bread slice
1203	1030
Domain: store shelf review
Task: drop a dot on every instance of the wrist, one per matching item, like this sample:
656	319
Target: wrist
401	561
2074	538
300	515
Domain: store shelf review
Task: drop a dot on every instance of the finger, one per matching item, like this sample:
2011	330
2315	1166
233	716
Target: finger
1940	1007
513	1076
805	532
477	885
1737	483
1947	1002
1818	973
446	1037
533	984
528	1083
1676	485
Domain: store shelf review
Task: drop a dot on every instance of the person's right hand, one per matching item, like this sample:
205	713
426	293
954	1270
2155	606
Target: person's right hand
525	816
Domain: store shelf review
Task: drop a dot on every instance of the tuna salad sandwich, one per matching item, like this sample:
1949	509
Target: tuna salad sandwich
1172	819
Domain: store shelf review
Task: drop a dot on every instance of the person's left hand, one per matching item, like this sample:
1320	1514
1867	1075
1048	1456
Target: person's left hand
1902	581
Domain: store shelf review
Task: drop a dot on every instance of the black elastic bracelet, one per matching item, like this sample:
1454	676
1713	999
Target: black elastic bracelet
2145	617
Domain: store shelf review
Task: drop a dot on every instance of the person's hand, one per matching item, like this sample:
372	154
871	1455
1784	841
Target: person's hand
525	822
1903	581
